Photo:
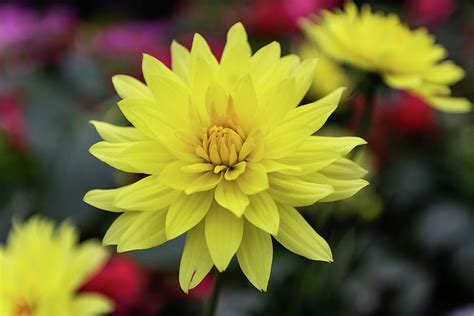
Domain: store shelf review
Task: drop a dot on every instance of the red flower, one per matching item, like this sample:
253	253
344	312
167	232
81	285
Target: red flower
12	121
122	280
400	115
204	289
409	115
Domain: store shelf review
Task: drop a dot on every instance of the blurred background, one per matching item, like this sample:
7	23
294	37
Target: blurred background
402	246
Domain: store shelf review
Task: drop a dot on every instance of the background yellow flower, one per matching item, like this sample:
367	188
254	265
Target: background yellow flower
374	42
42	268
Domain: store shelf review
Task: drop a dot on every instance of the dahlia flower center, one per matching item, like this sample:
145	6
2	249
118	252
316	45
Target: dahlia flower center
23	309
226	148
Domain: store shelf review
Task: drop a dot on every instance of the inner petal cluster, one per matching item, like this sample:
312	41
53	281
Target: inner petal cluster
225	148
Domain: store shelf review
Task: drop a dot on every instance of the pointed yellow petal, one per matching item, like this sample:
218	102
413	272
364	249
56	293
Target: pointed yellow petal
186	212
91	304
195	261
223	235
255	256
148	194
254	179
342	145
129	87
448	104
298	236
173	176
118	134
263	60
298	124
119	227
343	189
180	60
147	230
309	160
235	59
143	114
229	195
304	77
294	191
206	181
103	199
344	169
263	213
148	157
245	100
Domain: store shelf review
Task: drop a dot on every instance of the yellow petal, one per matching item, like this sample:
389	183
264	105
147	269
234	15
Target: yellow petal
235	59
119	227
143	114
104	199
147	230
294	191
342	145
304	77
206	181
129	87
90	257
172	175
298	236
91	304
263	213
223	235
344	169
255	256
245	100
445	73
172	97
148	157
118	134
148	194
180	61
229	195
195	261
254	179
309	160
343	189
186	212
402	81
262	62
298	124
459	105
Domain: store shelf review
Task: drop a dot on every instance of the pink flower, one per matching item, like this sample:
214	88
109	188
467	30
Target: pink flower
430	12
280	17
12	121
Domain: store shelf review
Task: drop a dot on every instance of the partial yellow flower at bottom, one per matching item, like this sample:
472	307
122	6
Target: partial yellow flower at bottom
228	155
405	59
41	269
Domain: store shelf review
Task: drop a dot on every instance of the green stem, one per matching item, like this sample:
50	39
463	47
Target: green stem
367	113
211	304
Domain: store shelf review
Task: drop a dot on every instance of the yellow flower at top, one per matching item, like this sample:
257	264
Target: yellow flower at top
228	155
42	268
405	59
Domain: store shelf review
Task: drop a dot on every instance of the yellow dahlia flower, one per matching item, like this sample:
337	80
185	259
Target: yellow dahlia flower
405	59
229	155
42	268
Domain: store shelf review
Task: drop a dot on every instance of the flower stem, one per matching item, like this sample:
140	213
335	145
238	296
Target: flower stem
211	304
370	89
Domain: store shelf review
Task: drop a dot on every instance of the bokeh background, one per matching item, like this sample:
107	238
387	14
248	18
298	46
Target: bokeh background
402	246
